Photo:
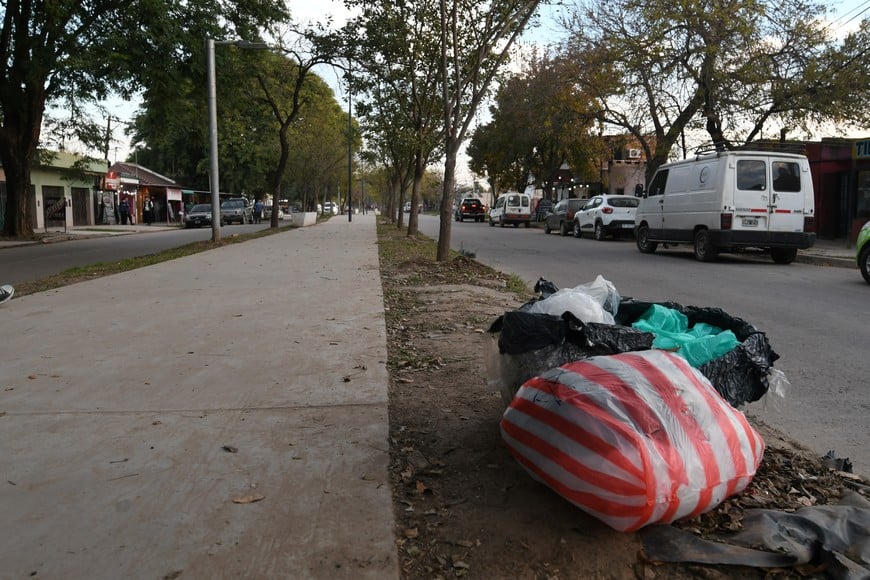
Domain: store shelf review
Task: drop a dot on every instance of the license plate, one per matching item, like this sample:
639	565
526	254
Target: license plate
749	222
626	226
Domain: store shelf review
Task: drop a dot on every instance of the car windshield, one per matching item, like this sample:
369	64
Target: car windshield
623	201
233	204
200	208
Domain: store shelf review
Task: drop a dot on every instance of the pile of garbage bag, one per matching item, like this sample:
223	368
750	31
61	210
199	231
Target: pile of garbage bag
562	326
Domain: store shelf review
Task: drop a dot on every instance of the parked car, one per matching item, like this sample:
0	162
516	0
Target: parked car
863	251
471	208
511	208
330	207
544	207
237	210
198	216
606	215
730	201
562	216
267	212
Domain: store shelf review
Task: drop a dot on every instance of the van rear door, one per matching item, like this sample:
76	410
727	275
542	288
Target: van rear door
752	194
770	194
788	200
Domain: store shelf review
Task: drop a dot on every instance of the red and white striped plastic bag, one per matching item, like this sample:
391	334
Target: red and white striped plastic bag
632	439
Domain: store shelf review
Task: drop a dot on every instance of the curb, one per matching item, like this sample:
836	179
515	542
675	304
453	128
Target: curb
832	261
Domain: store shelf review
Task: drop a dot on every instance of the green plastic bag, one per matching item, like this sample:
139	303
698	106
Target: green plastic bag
698	344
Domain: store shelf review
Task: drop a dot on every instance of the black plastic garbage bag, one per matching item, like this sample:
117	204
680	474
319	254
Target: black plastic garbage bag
741	375
529	344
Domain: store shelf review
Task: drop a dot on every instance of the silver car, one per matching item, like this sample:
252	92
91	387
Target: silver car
237	210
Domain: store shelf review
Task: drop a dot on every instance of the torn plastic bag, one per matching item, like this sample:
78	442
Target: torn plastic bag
835	536
742	375
523	345
632	439
595	301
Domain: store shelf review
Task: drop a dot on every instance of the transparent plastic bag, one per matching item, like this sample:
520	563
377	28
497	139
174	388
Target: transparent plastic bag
596	301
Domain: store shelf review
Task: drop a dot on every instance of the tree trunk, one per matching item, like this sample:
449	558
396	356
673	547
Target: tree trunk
452	148
419	172
19	137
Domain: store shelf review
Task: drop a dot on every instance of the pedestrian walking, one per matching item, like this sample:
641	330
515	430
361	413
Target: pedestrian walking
6	292
258	211
124	210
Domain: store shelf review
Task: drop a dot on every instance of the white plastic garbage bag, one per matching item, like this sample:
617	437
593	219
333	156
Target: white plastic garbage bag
595	301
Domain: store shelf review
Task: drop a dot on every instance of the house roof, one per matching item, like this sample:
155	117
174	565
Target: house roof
145	176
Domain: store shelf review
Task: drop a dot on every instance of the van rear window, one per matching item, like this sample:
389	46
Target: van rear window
786	176
751	175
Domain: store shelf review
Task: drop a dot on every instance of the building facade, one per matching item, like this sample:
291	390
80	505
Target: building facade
841	180
65	188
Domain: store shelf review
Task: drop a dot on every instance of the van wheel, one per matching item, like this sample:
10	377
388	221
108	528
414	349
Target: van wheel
704	250
501	221
563	229
491	223
864	263
643	244
527	224
578	233
547	229
783	255
599	231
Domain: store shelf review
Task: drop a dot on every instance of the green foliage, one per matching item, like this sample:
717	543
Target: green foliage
539	121
663	69
63	56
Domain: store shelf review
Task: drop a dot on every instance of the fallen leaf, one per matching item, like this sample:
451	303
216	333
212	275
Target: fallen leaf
230	449
411	533
250	498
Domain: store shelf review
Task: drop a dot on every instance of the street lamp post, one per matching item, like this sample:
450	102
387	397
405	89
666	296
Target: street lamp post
349	147
212	128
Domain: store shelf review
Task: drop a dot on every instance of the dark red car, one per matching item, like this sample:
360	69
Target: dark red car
471	208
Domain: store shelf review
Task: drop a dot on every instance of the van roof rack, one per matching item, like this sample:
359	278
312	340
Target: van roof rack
779	146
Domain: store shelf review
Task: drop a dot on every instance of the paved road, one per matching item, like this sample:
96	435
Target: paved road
815	317
34	261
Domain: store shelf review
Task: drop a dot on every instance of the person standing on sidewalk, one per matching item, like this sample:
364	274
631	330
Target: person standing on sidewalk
258	211
148	210
6	292
124	209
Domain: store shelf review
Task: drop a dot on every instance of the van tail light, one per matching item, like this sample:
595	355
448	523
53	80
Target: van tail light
607	210
725	220
809	223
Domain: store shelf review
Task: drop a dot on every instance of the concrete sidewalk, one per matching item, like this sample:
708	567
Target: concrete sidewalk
144	415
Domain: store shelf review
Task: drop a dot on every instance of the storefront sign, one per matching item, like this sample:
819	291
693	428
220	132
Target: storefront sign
862	149
55	209
113	180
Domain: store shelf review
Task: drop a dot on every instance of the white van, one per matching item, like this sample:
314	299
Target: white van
730	201
511	208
